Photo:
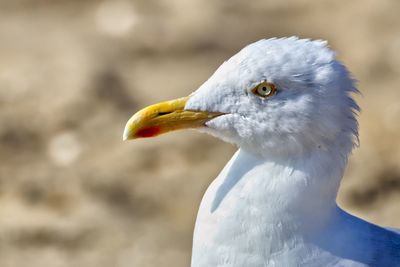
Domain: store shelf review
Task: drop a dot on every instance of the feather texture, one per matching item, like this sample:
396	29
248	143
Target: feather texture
274	203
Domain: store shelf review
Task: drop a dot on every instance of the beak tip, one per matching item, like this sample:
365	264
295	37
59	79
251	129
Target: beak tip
147	122
126	134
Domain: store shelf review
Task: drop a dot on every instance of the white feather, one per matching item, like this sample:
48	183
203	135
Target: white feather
274	203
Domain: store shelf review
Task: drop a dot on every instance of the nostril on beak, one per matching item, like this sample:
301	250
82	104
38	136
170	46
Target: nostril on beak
163	113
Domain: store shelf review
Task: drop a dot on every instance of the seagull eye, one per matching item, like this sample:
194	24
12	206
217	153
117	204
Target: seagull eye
264	90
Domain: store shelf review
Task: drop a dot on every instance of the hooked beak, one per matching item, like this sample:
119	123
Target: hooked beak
165	117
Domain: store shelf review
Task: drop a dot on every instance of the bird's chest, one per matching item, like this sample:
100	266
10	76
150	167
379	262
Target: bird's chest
262	214
236	226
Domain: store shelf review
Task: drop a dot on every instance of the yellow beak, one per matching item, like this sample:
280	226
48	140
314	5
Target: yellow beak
165	117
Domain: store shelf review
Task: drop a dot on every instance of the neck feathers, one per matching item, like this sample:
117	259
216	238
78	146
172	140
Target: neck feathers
266	207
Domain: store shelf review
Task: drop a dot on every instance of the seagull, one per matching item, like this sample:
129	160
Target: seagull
287	104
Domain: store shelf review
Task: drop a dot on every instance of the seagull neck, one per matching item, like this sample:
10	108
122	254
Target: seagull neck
301	187
266	206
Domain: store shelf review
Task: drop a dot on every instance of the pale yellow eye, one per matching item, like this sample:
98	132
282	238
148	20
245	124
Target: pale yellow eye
264	89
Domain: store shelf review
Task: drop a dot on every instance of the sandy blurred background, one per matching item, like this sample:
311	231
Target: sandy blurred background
72	73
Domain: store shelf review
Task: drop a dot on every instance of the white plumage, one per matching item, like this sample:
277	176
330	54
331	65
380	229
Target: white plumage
274	203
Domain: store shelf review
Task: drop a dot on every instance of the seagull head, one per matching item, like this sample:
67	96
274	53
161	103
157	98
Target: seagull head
277	97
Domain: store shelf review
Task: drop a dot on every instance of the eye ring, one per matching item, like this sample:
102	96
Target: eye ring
264	89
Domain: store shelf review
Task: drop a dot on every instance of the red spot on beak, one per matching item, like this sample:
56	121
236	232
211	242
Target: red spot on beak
148	132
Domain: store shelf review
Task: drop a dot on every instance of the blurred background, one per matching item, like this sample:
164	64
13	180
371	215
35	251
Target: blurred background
73	72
